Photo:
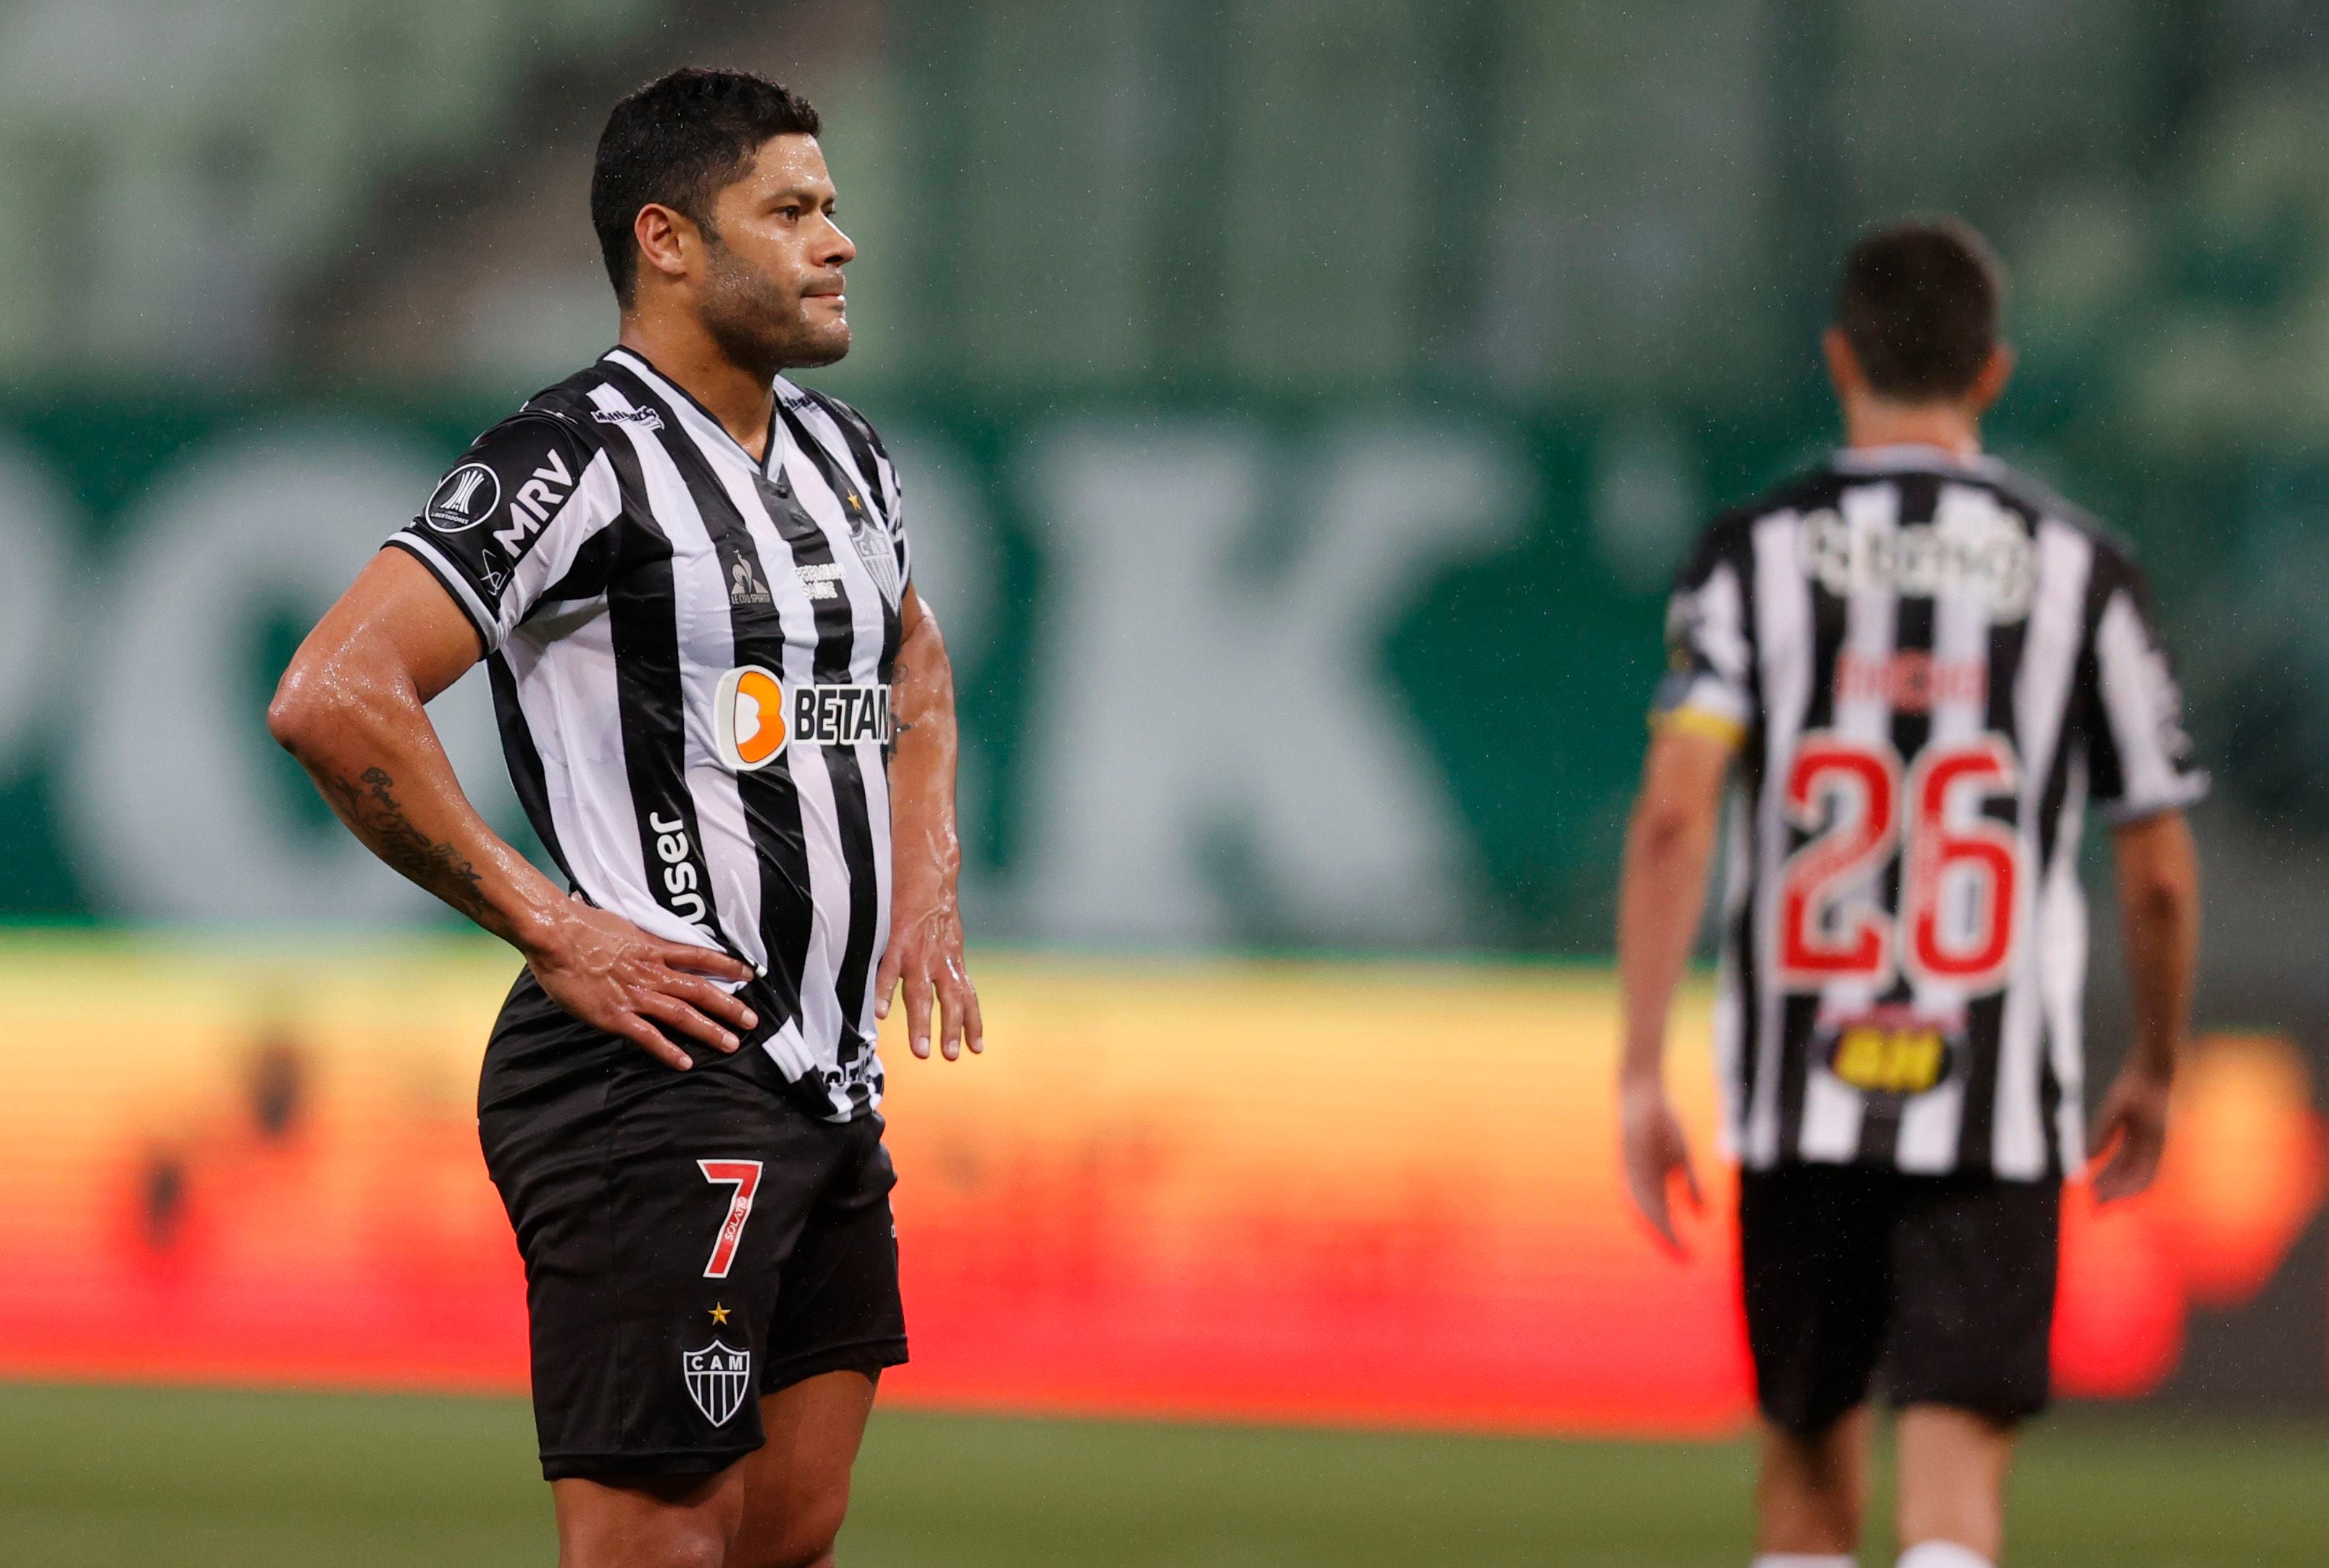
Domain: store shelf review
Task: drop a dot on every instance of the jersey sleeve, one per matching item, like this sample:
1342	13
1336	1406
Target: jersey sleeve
524	515
2139	755
1707	687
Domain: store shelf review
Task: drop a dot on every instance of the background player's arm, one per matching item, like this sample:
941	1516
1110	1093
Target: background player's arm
351	709
925	949
2159	901
1660	894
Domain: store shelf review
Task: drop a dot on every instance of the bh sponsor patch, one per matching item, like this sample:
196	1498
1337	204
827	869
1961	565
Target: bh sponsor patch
755	716
1892	1051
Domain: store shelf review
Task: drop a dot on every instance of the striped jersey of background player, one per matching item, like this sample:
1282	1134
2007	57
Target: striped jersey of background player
730	719
1915	668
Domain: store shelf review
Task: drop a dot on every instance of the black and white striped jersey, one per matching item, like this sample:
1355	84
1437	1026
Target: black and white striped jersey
691	654
1931	666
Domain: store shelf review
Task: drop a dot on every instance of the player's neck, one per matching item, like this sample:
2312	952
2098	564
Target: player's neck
740	398
1871	424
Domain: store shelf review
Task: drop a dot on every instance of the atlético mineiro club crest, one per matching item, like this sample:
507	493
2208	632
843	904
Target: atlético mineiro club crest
718	1379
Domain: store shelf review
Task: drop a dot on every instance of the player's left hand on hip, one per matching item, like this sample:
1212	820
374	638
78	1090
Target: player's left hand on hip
2132	1126
925	957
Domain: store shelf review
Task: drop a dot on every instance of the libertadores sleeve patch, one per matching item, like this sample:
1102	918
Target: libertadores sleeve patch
510	518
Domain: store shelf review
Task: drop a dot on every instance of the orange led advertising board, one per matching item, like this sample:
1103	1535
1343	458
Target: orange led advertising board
1367	1193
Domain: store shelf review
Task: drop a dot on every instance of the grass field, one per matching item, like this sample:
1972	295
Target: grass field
96	1477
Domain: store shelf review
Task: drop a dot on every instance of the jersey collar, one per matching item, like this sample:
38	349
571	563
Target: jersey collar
638	364
1910	455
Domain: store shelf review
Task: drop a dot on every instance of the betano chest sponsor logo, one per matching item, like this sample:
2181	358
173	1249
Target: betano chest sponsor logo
1975	547
754	716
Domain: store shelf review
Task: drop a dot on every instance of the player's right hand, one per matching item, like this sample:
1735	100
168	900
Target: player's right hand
2131	1128
615	976
1656	1150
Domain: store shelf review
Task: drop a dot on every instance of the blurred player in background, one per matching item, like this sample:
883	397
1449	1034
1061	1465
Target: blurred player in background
730	719
1916	670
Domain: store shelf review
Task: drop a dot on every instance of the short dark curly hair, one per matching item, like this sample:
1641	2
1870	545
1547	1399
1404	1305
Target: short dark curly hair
677	142
1920	303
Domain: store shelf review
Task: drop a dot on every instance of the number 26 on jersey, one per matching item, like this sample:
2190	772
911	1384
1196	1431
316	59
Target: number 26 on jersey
1960	875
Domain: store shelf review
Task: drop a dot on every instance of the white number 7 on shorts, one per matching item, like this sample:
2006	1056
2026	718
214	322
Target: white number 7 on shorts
744	1174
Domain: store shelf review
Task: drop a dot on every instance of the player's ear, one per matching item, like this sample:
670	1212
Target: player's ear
1990	385
663	236
1842	365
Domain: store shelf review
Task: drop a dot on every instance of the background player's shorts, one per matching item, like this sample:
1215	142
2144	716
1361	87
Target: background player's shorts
1948	1282
692	1241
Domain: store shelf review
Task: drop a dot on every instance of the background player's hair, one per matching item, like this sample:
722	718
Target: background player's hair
1919	303
676	141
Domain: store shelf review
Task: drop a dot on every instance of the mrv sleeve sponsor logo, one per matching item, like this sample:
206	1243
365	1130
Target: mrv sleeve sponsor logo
535	499
755	716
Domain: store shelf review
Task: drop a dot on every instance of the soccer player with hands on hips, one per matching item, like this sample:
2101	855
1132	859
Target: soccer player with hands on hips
730	720
1905	677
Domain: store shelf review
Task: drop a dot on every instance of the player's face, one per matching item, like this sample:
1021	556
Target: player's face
772	295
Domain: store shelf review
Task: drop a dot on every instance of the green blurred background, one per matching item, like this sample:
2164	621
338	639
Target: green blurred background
1301	403
1162	290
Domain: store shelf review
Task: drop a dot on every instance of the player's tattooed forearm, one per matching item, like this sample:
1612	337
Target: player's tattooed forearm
369	805
901	678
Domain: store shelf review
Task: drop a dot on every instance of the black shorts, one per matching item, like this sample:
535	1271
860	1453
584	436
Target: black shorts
692	1241
1947	1282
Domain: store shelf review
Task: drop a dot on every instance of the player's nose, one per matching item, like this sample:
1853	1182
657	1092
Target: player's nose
840	250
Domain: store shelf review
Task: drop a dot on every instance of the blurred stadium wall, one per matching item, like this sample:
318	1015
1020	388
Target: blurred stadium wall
1301	404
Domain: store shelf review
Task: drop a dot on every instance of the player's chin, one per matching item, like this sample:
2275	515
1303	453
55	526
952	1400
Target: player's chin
820	342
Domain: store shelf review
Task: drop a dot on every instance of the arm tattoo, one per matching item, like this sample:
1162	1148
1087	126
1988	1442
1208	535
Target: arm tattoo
371	808
900	675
